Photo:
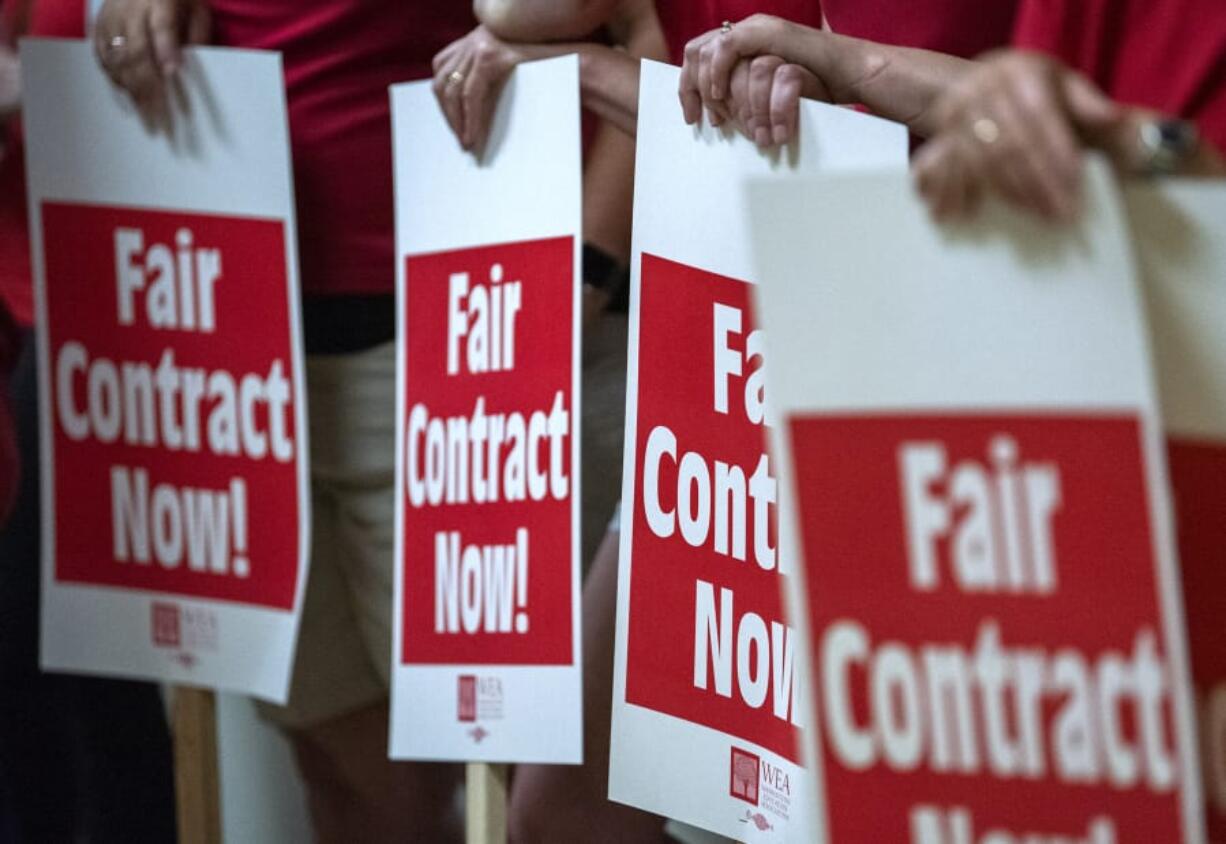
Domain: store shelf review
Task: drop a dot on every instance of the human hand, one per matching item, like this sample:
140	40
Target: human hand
739	65
468	75
139	42
1016	126
764	98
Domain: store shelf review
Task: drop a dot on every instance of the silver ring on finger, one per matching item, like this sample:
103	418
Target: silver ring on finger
455	77
726	27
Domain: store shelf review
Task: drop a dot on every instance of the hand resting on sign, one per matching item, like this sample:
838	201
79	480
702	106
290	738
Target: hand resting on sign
468	76
139	43
730	73
1017	125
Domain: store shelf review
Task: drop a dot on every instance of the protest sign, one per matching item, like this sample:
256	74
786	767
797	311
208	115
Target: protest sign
989	593
1179	231
705	705
486	664
170	372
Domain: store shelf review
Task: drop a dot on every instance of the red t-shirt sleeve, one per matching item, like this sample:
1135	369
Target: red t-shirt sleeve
1169	55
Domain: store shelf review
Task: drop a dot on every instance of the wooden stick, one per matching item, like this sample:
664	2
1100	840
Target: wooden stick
197	785
486	787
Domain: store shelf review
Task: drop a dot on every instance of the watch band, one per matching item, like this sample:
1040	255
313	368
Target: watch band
1166	145
603	271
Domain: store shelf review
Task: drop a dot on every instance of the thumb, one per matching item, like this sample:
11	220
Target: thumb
812	87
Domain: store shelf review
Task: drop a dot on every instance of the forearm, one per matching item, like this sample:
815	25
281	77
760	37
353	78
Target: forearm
542	20
608	192
608	79
609	85
898	83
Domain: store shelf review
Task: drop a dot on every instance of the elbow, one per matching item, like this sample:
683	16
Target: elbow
510	20
498	16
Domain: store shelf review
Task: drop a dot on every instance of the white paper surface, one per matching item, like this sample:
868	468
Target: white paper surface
526	185
228	155
689	208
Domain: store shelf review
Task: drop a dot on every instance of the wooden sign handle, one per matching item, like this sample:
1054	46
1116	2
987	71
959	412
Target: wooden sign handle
197	784
486	787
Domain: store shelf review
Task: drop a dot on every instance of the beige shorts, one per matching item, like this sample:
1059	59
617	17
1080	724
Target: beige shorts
344	652
344	655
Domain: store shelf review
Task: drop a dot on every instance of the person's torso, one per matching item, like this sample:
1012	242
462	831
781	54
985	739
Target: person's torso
340	56
963	28
1168	55
49	19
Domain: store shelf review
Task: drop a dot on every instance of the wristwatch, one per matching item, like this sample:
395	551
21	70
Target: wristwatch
1166	145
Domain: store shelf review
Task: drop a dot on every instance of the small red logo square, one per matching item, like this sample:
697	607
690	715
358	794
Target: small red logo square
467	708
743	779
166	630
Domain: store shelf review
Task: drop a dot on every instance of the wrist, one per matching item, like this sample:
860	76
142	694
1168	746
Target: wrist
842	63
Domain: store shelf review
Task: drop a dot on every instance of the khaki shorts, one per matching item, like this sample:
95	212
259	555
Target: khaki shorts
344	655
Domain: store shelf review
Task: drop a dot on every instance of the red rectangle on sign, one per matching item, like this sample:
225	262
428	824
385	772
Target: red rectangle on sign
1198	478
743	776
988	646
489	427
466	690
707	638
166	627
172	392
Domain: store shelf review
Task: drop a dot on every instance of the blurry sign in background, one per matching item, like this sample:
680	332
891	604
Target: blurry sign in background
989	590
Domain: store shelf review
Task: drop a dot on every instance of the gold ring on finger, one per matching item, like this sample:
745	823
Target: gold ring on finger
986	130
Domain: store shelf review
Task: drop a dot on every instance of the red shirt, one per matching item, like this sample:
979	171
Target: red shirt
55	19
963	28
340	57
1168	55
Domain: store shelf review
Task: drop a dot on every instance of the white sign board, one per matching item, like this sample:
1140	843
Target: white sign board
706	693
174	451
486	652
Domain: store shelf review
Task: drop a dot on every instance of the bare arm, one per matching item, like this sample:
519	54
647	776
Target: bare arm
469	73
1018	126
898	83
543	20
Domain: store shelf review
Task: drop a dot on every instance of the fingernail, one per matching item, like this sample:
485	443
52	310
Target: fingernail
761	136
780	133
716	93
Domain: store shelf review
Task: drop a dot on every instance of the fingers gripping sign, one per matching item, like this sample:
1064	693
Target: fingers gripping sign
468	74
1015	125
735	73
139	42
